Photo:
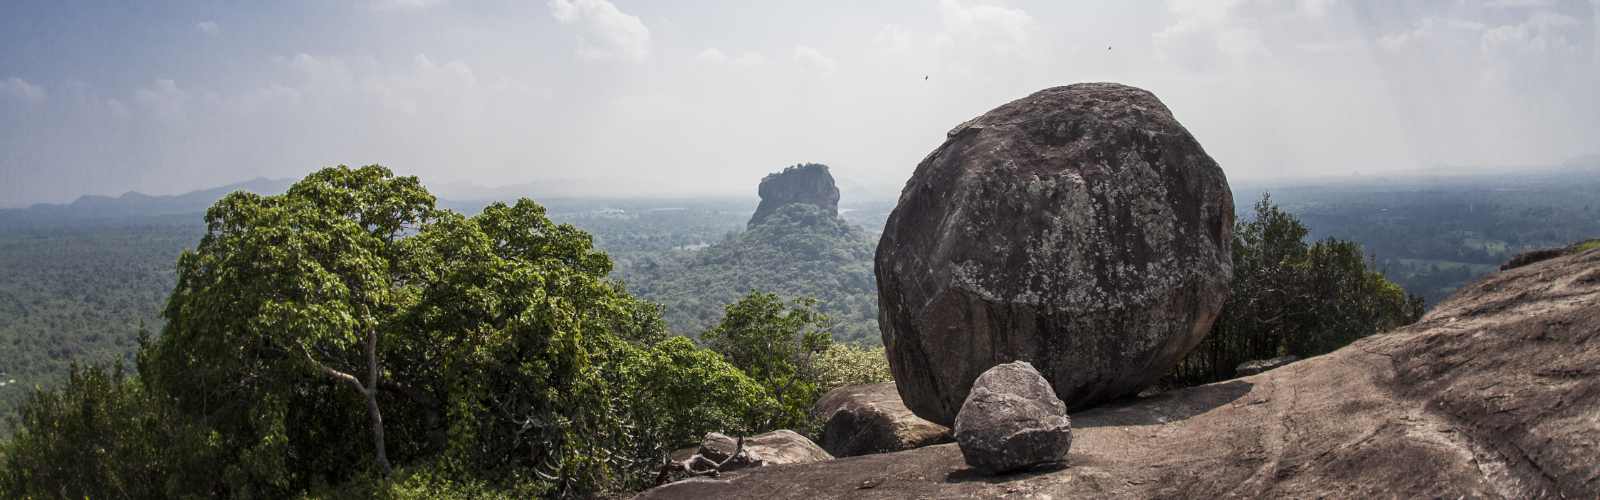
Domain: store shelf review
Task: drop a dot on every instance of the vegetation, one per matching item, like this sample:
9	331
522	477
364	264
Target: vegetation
1434	237
1293	298
799	251
349	338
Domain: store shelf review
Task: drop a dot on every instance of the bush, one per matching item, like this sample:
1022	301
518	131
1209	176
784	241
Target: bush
1289	297
847	364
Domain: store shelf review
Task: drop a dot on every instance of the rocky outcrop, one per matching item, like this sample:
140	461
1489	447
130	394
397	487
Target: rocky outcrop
868	419
1012	421
1081	229
773	448
1492	395
1253	367
808	183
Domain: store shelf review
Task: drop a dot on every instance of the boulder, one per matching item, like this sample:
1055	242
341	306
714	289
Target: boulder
1081	229
868	419
773	448
808	184
1253	367
1013	421
1491	395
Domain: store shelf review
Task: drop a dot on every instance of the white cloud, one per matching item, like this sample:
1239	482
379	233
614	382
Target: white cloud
406	4
1543	32
208	27
750	58
893	38
1518	4
22	90
814	59
711	55
1430	30
993	27
604	32
163	98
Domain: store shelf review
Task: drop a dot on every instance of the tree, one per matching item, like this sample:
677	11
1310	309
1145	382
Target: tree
776	344
1290	297
283	288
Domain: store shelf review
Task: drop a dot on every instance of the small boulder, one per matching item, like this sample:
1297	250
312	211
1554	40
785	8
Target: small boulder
871	418
1012	420
1249	368
773	448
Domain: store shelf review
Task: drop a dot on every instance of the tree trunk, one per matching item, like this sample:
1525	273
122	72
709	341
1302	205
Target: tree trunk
371	392
377	431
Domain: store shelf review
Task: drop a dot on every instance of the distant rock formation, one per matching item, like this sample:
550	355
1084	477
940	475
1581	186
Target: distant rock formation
1491	395
868	419
1080	228
1012	420
808	183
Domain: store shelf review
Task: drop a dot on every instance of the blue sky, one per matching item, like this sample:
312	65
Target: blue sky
704	97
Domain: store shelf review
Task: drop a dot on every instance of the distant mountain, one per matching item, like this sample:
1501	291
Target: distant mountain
135	204
795	245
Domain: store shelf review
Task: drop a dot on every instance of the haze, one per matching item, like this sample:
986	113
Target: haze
690	98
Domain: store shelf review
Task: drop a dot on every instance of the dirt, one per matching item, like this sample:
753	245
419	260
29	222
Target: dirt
1494	394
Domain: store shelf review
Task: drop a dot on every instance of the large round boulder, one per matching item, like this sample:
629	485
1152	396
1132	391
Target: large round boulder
1081	229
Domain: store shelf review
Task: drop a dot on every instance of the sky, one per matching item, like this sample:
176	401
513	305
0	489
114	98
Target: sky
702	97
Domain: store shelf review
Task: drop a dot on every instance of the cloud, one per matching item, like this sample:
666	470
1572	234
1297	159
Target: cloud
991	27
208	27
1518	4
22	90
406	4
711	55
163	98
1430	30
604	32
893	38
815	60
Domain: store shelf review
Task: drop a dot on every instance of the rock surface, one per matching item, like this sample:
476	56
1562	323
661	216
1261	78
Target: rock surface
868	419
1012	421
761	450
1253	367
1080	228
1492	395
808	183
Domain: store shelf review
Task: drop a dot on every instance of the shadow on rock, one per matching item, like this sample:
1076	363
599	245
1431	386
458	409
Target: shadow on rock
973	474
1163	408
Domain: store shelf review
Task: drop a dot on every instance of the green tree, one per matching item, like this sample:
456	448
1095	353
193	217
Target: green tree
282	291
1290	297
776	344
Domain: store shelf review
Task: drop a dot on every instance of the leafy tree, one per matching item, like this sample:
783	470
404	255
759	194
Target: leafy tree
1289	297
101	435
776	344
284	295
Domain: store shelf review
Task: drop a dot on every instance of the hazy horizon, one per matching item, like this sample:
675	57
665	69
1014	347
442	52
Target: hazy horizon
636	98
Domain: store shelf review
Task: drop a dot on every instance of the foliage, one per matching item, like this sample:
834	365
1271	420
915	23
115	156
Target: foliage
798	251
1292	298
500	357
777	345
79	294
101	435
848	364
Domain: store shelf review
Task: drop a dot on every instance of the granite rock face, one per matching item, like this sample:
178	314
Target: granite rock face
773	448
868	419
1012	421
1081	229
808	183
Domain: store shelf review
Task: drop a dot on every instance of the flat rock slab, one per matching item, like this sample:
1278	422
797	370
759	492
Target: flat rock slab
1492	395
868	419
